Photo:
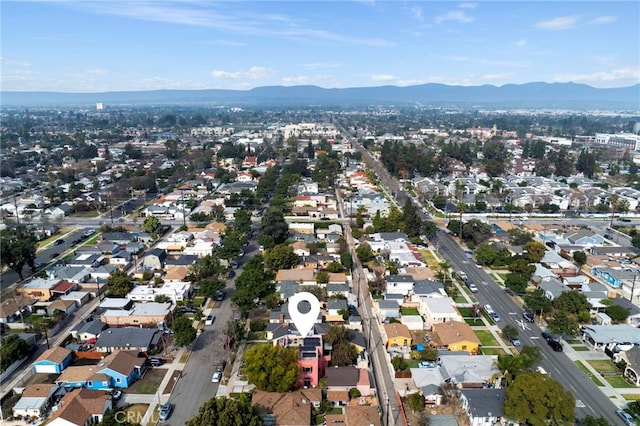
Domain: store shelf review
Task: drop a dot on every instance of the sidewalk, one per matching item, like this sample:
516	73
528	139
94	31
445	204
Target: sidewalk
613	393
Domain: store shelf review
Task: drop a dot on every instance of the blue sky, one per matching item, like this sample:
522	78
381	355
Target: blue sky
109	45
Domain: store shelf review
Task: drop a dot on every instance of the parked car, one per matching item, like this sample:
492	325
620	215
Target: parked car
231	274
547	336
155	362
220	295
515	341
555	345
217	376
626	418
528	316
54	255
116	395
472	287
542	371
165	411
426	364
59	241
209	320
88	233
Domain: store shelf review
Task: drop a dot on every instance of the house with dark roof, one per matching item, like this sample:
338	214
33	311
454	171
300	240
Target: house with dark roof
631	357
341	378
483	406
88	331
120	238
129	338
154	259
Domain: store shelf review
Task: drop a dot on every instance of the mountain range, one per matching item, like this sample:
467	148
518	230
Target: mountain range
511	96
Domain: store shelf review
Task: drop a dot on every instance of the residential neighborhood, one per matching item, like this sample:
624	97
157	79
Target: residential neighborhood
152	264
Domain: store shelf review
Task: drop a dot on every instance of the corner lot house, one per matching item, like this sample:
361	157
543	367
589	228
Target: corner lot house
456	336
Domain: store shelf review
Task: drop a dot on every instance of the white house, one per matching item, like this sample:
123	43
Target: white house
174	291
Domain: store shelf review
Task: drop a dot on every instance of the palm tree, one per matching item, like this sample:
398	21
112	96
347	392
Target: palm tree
613	200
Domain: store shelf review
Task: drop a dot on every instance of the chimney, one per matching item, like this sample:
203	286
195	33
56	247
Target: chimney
281	318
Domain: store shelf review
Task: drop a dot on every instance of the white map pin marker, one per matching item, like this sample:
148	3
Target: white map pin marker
304	321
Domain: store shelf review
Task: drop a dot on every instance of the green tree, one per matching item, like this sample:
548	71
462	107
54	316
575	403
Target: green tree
151	224
617	313
322	277
334	267
112	418
13	348
183	331
336	334
415	401
227	412
412	222
571	302
272	368
364	252
343	354
594	421
537	301
346	260
273	229
161	298
280	257
538	400
535	251
486	253
209	287
509	331
119	284
561	323
516	282
522	267
17	248
580	258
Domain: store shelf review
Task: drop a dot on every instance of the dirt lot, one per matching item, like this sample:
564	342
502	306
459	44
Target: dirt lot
451	409
172	381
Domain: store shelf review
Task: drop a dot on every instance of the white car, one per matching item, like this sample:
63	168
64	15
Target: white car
217	376
542	371
209	320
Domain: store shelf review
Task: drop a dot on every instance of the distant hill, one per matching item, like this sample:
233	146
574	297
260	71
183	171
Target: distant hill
510	96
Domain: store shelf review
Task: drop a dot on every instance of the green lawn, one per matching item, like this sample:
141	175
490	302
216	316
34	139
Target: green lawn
460	299
465	312
586	371
472	321
492	351
580	348
149	383
90	213
603	365
409	311
92	241
630	396
486	338
618	382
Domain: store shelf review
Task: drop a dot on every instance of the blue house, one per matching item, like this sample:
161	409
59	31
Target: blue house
53	360
117	370
615	277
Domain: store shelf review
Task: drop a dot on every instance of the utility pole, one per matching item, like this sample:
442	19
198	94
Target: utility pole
184	211
15	204
633	287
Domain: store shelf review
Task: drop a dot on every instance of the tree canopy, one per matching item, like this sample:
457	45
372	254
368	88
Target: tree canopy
272	368
151	224
226	412
280	257
119	284
538	400
12	349
183	331
273	229
17	248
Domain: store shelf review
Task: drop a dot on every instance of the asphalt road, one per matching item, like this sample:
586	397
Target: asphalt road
10	277
557	364
195	386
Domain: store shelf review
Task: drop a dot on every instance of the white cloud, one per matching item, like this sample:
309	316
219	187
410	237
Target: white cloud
294	81
521	43
456	16
381	78
6	62
560	23
468	5
417	13
321	65
499	77
96	71
253	73
603	20
623	76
